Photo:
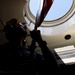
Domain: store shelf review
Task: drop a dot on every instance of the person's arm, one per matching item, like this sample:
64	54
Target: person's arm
48	55
32	47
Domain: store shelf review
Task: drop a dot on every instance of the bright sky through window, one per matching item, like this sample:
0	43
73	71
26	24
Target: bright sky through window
58	9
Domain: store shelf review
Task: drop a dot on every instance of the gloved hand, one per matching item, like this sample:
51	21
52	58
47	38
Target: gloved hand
33	45
35	35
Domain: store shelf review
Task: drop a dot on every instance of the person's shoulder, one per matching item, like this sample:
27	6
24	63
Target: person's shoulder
7	44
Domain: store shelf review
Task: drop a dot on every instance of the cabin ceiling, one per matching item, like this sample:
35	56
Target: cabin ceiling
14	9
11	9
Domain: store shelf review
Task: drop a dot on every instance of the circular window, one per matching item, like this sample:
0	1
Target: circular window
58	9
56	21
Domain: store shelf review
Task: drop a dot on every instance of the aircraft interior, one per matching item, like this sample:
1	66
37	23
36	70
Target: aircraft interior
57	28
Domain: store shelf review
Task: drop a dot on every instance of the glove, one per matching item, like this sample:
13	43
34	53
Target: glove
33	45
36	36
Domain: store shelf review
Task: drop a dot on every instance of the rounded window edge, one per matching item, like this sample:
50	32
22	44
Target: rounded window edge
57	26
58	21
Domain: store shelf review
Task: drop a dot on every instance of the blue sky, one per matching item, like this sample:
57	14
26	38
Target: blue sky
58	9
